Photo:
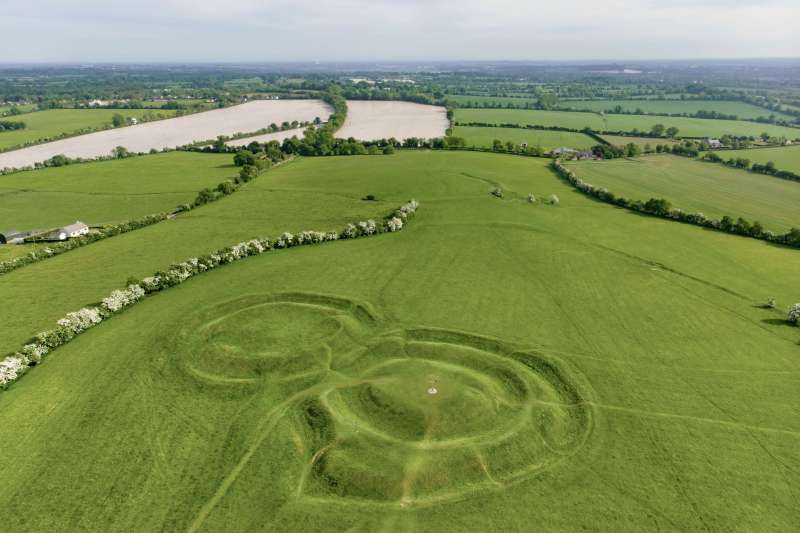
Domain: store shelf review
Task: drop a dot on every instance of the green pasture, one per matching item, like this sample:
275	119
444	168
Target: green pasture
108	191
484	137
696	186
687	127
742	110
622	140
785	158
42	126
497	365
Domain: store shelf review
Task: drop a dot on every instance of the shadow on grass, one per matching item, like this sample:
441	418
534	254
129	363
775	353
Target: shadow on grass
777	322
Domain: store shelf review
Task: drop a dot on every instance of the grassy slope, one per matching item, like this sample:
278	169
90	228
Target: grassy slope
108	191
48	124
696	186
546	139
688	127
696	416
786	158
265	207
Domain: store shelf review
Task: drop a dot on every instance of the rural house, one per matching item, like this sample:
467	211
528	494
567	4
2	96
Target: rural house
69	231
714	143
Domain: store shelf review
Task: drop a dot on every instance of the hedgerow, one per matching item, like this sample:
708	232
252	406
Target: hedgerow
663	209
13	366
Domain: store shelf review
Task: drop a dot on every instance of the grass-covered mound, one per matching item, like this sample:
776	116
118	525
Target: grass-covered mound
593	369
696	186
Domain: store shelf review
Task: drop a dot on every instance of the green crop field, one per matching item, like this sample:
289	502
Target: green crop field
695	186
785	158
108	191
687	127
496	364
742	110
546	139
45	125
622	140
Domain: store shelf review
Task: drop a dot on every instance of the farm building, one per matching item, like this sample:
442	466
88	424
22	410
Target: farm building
714	143
563	151
69	231
12	236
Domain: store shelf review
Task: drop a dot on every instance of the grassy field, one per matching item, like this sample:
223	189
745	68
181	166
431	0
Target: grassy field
622	140
712	189
48	124
741	109
785	158
108	191
544	138
405	382
25	108
688	127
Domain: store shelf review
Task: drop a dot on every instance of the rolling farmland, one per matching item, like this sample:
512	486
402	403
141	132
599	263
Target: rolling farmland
108	191
712	189
292	391
688	127
45	125
483	137
243	118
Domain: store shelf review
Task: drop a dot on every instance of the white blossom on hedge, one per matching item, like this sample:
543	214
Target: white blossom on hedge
793	316
10	368
80	321
394	224
349	232
120	299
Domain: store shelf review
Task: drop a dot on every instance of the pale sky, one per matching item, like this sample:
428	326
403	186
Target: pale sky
370	30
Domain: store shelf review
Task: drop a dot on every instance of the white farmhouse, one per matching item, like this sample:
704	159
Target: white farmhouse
70	230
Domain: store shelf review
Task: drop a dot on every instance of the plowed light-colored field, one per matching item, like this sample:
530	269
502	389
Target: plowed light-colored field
251	116
267	137
372	120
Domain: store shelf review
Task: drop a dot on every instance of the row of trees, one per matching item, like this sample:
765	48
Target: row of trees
663	208
743	163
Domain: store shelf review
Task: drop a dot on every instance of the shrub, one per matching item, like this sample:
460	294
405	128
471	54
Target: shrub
498	192
793	316
14	365
553	200
531	199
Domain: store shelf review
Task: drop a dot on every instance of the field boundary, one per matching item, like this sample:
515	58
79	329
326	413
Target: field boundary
225	188
13	366
662	208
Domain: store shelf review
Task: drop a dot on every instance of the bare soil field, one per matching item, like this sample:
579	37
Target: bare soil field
251	116
267	137
371	120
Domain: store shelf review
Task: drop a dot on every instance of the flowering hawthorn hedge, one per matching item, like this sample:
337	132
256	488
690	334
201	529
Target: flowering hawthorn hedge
793	317
75	323
662	208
